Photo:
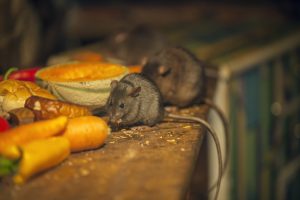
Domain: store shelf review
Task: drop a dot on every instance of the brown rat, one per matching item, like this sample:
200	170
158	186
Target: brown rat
181	79
179	75
135	45
136	100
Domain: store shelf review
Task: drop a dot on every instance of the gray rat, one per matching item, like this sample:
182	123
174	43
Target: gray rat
134	46
136	100
181	79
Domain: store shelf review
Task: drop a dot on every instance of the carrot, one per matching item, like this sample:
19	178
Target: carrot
87	56
135	69
40	155
29	132
87	132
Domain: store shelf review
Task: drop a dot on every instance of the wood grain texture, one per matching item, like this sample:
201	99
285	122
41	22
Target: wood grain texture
138	163
141	162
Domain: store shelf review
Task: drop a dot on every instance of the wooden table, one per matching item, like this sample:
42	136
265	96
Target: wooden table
137	163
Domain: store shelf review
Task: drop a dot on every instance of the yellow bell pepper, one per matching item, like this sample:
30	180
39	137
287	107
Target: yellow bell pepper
41	155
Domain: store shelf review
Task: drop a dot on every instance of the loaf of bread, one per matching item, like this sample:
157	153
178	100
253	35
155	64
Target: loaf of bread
13	94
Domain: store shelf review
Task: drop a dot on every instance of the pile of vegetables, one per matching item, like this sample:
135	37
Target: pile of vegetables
31	148
54	131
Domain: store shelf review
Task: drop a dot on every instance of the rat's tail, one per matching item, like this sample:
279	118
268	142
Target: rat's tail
216	140
211	104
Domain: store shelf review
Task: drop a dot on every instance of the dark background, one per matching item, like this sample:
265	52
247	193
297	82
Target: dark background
44	30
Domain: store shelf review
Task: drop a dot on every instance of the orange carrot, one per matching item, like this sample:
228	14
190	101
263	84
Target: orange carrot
135	69
87	56
29	132
87	132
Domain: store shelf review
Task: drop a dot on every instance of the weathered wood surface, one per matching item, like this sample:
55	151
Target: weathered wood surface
138	163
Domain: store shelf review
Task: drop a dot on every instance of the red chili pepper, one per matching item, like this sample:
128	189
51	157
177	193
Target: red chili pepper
23	74
4	125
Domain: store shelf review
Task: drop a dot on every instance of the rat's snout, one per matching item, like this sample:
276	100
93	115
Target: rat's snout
115	119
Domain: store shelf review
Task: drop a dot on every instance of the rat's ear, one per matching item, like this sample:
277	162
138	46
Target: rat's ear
144	60
163	70
113	84
134	92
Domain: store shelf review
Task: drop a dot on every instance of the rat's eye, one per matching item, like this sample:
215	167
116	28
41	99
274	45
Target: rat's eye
121	105
164	71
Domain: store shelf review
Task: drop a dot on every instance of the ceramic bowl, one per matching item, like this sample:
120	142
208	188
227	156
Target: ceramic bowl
85	84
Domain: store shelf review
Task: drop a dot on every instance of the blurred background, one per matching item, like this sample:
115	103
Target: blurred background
254	44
